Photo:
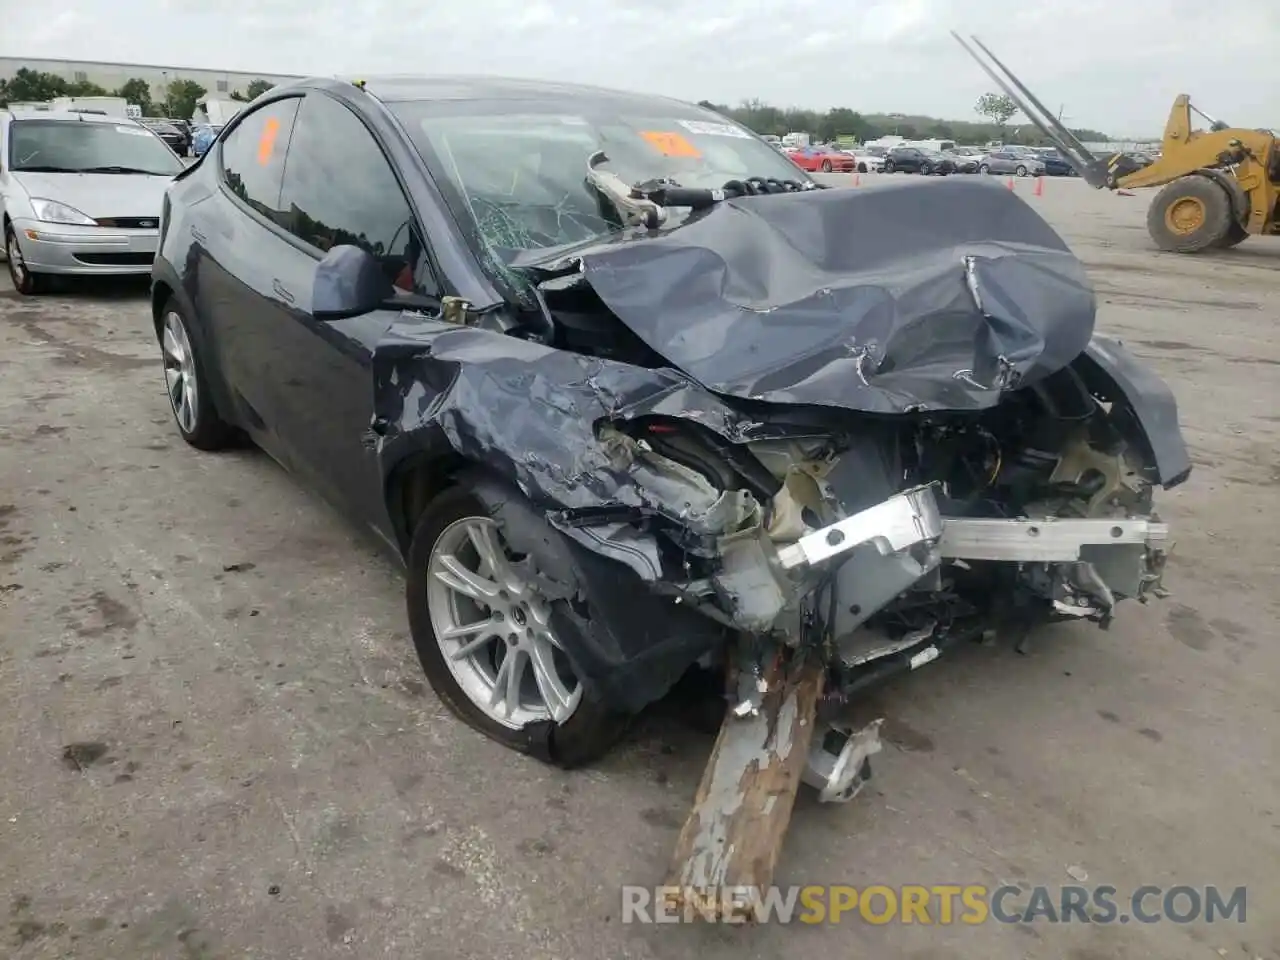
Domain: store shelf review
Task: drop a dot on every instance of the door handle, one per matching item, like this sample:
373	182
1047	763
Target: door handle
282	291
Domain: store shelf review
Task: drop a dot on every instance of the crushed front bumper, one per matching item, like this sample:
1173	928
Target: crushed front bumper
1108	557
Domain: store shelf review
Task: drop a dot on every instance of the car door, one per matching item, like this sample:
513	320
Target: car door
1002	162
241	247
340	188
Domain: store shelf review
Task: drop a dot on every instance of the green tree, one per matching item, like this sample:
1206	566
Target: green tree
996	107
85	88
181	97
239	97
257	88
34	85
138	91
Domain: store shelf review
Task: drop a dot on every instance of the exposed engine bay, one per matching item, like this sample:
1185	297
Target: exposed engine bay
750	430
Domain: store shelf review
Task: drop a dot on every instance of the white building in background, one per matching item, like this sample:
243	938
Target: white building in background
112	76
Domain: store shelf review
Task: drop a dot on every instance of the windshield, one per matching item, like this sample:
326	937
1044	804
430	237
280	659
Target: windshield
68	146
519	168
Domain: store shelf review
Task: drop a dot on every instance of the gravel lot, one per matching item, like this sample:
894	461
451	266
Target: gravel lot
218	743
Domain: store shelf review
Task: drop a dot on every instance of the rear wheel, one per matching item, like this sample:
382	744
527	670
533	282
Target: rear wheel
1189	215
25	281
826	166
926	169
488	643
1020	170
984	168
187	384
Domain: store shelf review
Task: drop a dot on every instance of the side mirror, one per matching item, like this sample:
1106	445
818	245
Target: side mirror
348	282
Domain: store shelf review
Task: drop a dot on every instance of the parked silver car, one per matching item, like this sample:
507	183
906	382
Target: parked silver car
1012	161
79	194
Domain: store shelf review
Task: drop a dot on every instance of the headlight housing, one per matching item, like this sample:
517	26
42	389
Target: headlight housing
54	211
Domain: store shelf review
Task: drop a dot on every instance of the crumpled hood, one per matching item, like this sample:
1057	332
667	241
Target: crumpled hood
100	195
920	295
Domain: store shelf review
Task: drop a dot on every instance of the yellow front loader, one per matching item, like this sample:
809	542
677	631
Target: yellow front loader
1220	185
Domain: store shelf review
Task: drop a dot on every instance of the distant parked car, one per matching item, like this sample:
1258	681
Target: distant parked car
865	162
820	157
80	194
178	140
965	163
918	160
1056	165
202	137
1012	161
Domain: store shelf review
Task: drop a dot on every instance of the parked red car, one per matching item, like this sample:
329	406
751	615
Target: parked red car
826	159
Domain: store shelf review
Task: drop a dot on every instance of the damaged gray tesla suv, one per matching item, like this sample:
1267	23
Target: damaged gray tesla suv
626	391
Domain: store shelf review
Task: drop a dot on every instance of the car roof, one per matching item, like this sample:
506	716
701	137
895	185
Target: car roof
67	116
410	88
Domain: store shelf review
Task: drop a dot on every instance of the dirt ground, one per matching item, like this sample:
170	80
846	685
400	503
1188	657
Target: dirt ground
217	742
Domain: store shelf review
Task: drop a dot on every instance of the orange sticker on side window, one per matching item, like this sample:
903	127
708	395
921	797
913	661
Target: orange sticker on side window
670	144
267	142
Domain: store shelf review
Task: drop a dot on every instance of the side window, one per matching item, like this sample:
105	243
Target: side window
339	188
253	155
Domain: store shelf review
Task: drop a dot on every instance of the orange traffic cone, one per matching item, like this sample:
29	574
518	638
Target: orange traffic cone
1011	183
1039	190
857	180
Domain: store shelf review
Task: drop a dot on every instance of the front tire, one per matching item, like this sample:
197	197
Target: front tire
1189	215
826	166
984	168
925	169
888	166
484	636
187	383
1020	170
25	281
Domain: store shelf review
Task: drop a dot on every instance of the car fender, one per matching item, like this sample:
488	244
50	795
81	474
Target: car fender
1143	406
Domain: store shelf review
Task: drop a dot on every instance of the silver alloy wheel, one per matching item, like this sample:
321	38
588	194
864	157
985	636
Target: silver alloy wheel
180	371
493	628
17	266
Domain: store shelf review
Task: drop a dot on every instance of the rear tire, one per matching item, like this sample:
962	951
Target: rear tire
187	383
590	729
984	168
926	169
826	166
1020	170
1190	215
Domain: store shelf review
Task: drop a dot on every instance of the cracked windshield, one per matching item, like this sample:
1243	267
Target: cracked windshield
522	177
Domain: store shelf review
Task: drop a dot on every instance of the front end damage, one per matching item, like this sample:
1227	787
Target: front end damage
876	494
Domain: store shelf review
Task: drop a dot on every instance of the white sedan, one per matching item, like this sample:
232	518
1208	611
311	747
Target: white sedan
866	162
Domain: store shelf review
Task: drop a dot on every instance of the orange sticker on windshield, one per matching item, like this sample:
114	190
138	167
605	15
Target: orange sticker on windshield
267	142
670	144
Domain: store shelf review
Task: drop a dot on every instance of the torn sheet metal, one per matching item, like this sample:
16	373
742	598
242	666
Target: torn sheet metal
530	413
908	297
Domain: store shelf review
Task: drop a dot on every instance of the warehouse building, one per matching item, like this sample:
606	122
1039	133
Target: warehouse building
112	76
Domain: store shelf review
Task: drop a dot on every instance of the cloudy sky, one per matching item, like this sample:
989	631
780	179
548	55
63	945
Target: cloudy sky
1115	65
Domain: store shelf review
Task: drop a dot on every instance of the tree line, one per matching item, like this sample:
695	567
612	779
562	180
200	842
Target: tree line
997	110
178	98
